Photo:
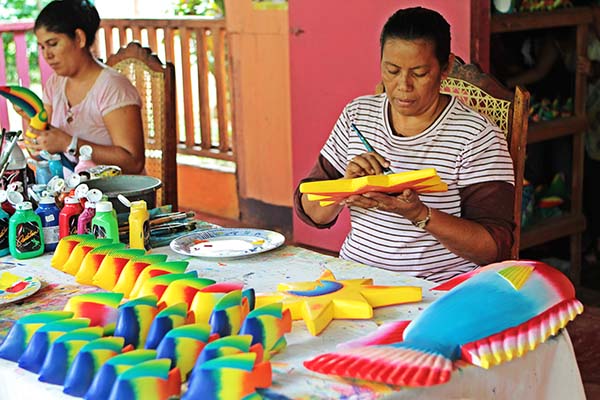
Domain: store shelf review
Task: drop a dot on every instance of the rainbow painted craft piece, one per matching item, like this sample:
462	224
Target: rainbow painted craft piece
183	346
332	191
157	285
135	319
489	316
318	302
150	380
100	308
183	290
88	362
166	320
34	355
63	351
75	260
205	300
30	103
228	314
226	360
21	332
107	375
91	262
133	269
267	326
64	248
110	269
162	268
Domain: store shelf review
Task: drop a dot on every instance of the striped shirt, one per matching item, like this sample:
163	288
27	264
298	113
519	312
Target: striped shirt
463	146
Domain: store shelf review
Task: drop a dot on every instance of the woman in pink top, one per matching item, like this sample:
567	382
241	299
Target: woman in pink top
87	102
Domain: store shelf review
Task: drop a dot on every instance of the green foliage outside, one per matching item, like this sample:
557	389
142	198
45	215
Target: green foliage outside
206	8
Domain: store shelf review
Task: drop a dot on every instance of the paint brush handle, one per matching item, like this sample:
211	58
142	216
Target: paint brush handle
368	146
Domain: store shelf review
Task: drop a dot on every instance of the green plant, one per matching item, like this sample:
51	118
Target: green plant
206	8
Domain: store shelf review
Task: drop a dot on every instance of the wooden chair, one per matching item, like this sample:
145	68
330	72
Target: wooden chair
155	81
507	109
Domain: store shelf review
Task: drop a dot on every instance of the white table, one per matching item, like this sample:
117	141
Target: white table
549	372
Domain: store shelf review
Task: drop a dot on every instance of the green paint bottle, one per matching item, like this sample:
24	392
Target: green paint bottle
104	223
25	234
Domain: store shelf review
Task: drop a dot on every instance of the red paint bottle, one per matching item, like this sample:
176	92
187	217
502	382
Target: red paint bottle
67	219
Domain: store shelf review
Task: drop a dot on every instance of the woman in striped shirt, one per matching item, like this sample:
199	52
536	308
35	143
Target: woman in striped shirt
412	126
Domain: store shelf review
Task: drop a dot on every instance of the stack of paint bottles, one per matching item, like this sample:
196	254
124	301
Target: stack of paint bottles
25	234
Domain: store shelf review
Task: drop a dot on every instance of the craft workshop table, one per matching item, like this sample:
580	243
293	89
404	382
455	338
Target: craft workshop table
549	372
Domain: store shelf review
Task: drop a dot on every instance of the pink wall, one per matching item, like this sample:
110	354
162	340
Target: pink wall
334	57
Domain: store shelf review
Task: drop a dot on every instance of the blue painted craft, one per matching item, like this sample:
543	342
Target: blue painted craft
169	318
183	346
135	318
490	315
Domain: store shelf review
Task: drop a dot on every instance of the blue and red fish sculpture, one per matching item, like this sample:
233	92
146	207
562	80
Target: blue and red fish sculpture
489	316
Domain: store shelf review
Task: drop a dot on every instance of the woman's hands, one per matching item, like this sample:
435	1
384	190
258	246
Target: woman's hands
366	164
52	140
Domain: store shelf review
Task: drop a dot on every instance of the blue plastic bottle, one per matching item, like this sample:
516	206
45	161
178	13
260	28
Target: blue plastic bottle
49	213
4	217
55	165
42	172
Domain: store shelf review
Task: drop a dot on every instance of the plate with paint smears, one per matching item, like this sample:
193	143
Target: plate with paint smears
227	243
14	288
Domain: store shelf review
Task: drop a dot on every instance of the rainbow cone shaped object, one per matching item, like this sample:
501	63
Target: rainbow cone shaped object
91	262
107	375
205	300
64	248
162	268
150	380
75	260
23	98
229	314
34	355
134	321
267	326
157	285
166	320
88	362
63	351
183	345
110	269
22	331
184	290
133	269
100	308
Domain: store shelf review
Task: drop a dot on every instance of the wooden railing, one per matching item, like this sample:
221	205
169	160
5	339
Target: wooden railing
196	46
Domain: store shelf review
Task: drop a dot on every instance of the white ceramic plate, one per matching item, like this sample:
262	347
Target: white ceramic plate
227	243
19	290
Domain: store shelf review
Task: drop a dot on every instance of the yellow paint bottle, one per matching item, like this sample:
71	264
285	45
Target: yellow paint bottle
139	225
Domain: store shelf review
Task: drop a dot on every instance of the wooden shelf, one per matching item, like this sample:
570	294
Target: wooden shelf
546	130
526	21
551	229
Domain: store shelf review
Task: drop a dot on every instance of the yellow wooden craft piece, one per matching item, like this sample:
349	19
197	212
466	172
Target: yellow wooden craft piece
331	191
318	302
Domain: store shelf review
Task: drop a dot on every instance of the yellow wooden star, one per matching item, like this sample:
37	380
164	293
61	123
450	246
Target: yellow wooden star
318	302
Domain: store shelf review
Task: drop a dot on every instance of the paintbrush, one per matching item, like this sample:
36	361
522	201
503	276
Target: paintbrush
4	161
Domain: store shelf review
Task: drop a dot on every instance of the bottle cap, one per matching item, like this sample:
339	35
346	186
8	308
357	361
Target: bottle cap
56	184
46	155
85	152
124	200
71	200
74	180
47	199
24	205
81	190
42	163
55	157
90	204
94	195
139	205
104	206
14	198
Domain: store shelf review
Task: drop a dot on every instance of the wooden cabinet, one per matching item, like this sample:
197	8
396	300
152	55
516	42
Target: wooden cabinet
571	223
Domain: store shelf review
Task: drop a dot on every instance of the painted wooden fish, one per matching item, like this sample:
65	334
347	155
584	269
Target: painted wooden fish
489	316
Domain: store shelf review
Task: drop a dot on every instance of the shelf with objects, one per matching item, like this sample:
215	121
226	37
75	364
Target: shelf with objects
514	47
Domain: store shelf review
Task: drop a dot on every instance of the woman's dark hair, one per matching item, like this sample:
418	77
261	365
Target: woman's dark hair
419	23
65	16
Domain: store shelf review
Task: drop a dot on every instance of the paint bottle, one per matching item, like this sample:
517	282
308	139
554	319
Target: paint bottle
55	166
49	215
84	223
25	235
85	159
12	199
4	217
139	226
104	223
42	172
67	219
